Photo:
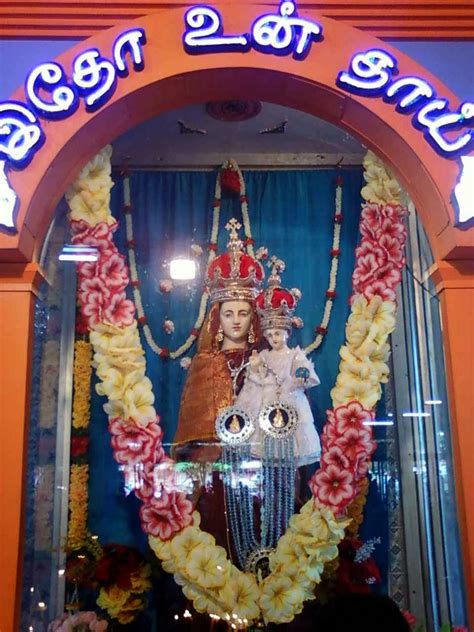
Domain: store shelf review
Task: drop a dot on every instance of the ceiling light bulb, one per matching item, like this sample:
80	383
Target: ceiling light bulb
183	269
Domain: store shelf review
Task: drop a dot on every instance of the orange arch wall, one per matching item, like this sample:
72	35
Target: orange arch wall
172	79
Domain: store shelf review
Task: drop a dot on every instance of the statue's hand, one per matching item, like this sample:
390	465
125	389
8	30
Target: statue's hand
255	361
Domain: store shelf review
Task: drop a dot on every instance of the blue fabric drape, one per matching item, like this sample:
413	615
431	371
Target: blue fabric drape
291	213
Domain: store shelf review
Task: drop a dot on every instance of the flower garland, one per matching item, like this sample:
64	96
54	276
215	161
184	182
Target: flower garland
347	437
231	178
208	578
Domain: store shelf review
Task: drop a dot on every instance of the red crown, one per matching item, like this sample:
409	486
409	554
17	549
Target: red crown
276	305
234	275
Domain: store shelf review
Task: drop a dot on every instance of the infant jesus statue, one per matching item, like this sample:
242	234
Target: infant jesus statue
280	373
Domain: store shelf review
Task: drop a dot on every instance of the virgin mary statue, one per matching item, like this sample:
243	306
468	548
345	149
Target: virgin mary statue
229	334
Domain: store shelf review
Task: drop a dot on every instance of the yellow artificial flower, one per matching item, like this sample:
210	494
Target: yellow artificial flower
239	595
207	566
186	541
115	382
162	548
203	600
287	553
130	610
382	187
136	403
349	388
280	599
78	501
112	599
141	579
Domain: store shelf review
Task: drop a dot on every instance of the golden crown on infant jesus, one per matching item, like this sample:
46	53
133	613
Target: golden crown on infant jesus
234	275
276	305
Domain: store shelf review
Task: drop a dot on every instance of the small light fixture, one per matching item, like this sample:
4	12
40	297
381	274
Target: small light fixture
382	422
416	414
182	269
72	252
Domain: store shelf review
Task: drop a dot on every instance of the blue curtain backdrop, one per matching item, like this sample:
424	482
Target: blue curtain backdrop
291	213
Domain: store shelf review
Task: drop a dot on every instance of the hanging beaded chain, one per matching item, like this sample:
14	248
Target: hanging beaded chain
164	352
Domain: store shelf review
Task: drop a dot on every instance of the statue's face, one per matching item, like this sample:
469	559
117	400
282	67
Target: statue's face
277	338
235	318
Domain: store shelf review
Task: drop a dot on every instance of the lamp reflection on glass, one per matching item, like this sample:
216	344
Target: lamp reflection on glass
416	414
182	269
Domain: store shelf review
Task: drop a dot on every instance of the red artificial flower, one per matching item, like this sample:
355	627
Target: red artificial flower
335	456
99	236
330	294
79	445
164	353
119	311
195	332
81	324
335	252
351	415
379	288
134	444
117	565
333	486
321	330
142	320
163	516
338	218
114	273
355	443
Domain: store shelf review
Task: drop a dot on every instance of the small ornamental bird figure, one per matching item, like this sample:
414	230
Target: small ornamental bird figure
185	129
277	129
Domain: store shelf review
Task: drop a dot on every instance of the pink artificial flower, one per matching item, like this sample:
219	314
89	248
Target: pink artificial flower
144	481
355	443
165	515
392	247
133	444
351	415
333	486
371	214
87	269
365	269
119	310
394	229
93	298
394	211
370	247
329	435
114	272
99	236
379	288
389	274
335	456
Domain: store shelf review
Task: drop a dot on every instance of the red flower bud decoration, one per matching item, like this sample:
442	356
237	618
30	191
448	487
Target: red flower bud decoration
330	294
321	330
249	242
338	218
212	246
195	332
128	208
215	203
135	283
131	243
141	320
339	181
335	252
165	353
